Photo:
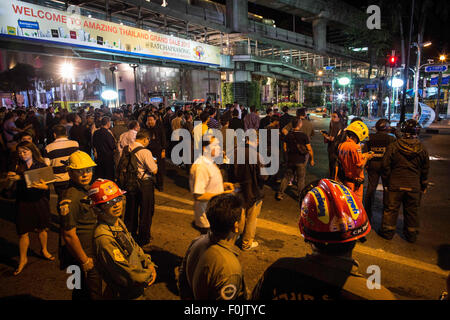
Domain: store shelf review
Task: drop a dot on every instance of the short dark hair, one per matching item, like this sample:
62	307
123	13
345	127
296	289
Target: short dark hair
356	119
295	122
212	111
142	134
105	121
301	112
235	113
204	116
269	110
222	212
60	130
285	109
132	124
252	108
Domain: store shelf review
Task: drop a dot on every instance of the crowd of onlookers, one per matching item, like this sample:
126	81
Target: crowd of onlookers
127	148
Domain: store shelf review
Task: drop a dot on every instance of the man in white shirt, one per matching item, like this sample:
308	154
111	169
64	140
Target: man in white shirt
128	137
141	201
205	181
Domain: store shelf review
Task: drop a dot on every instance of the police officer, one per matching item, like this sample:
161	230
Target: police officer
78	221
378	143
332	220
124	266
405	167
210	269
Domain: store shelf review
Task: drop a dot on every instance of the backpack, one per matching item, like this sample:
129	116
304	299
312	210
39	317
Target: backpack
300	148
127	170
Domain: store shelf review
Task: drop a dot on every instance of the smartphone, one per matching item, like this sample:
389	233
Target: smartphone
324	132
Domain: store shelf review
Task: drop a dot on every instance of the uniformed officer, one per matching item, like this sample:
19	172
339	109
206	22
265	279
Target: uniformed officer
124	266
78	221
351	159
405	167
332	220
210	269
378	143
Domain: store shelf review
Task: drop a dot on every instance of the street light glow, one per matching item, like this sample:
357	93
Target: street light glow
396	83
427	44
109	95
66	70
340	96
343	81
442	57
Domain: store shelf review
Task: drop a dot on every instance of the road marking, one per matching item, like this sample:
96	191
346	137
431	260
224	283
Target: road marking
171	197
294	231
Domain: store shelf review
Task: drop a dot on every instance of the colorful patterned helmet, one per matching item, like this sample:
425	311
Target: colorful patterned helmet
102	191
331	213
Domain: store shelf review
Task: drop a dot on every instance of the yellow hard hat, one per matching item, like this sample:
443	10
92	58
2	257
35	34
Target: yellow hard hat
359	128
80	160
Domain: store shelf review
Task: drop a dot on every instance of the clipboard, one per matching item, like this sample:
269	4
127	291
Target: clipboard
35	175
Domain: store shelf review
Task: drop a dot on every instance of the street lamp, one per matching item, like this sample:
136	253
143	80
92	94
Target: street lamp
442	59
416	75
134	66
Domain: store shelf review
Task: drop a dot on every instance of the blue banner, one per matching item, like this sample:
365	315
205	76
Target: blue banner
28	24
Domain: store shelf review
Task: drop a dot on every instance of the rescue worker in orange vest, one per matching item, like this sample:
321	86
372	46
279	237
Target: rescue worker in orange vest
332	220
351	160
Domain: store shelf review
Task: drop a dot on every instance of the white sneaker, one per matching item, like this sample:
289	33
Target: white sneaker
254	245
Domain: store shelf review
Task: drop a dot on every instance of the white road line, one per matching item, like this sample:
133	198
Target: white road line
293	231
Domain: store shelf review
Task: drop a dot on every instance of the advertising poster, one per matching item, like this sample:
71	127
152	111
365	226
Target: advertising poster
23	20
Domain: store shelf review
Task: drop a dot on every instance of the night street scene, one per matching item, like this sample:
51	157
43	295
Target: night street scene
195	151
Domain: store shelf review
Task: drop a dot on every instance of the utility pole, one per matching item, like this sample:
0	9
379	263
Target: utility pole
406	70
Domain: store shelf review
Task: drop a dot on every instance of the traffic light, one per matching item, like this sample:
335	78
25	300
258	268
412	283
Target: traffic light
393	60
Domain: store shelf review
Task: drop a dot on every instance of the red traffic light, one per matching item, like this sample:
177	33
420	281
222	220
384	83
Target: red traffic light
393	60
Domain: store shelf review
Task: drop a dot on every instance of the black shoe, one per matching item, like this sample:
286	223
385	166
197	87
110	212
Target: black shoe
387	236
411	238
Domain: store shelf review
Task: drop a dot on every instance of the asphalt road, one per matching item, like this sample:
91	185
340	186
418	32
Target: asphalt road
410	271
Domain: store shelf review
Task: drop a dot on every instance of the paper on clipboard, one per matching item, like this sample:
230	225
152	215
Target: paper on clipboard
35	175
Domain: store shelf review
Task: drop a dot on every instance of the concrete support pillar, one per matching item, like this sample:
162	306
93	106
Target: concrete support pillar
320	34
237	15
242	76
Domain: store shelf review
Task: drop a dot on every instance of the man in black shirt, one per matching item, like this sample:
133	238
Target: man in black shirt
378	143
157	146
296	146
235	122
104	145
267	119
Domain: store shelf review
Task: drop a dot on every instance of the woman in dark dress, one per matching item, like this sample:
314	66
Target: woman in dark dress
32	204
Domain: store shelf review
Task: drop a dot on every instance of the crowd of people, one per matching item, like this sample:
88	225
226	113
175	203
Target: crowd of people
107	165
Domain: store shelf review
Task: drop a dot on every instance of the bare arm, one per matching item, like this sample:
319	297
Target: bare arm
74	245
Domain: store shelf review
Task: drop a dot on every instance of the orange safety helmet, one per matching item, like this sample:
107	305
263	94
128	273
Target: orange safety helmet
103	190
331	213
